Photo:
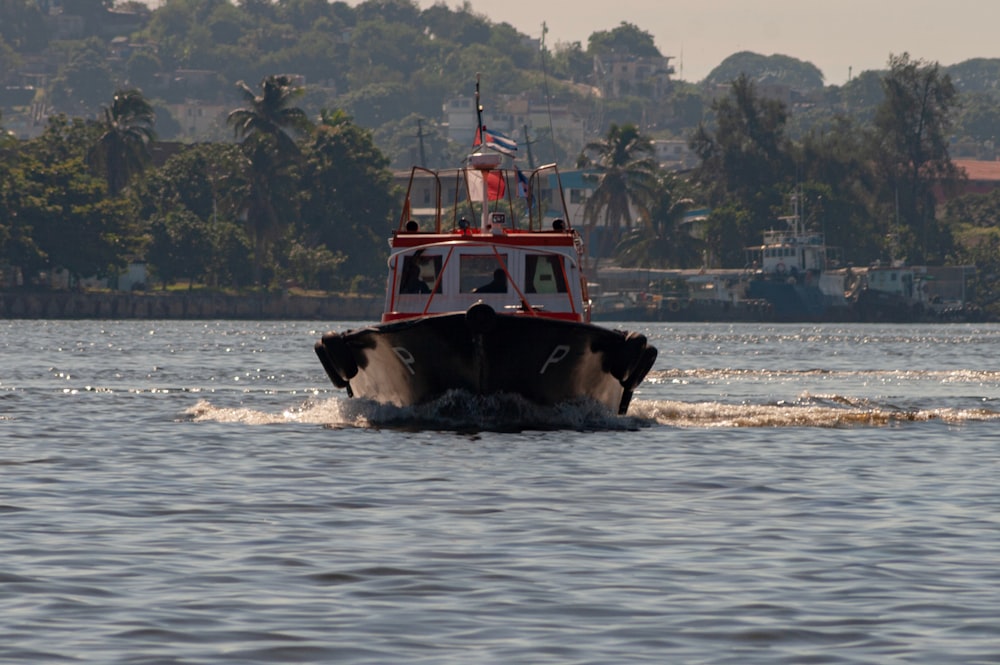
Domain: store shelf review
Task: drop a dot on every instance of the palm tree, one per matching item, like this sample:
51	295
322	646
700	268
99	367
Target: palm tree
625	172
271	113
123	148
659	241
270	152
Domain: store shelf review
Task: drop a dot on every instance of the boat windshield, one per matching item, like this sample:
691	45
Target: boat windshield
482	273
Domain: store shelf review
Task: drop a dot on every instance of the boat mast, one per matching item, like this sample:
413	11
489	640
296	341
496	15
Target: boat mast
484	163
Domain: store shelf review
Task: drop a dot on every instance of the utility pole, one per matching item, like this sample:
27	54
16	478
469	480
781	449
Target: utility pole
420	137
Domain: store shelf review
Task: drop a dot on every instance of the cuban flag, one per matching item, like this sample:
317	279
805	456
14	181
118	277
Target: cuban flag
522	185
496	141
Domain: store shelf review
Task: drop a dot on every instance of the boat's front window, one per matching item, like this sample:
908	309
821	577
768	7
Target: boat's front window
482	273
419	274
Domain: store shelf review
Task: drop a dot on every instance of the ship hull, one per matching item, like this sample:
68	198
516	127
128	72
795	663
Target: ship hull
482	352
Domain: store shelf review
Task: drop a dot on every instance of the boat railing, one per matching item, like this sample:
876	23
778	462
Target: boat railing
523	196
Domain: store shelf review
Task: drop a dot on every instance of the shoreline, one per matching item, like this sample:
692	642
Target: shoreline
194	306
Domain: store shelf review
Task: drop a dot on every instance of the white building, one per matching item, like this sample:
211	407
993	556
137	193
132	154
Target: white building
674	154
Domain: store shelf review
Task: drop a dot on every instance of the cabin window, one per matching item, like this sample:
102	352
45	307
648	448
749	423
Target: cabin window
544	274
419	274
482	273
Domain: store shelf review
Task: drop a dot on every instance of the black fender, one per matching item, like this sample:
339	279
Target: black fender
331	371
623	357
340	357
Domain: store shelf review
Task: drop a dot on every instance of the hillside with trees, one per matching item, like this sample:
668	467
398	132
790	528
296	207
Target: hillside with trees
316	101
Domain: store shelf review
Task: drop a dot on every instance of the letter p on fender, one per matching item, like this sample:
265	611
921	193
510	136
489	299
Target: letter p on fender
558	353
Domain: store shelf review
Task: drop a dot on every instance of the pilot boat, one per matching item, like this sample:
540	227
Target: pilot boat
495	307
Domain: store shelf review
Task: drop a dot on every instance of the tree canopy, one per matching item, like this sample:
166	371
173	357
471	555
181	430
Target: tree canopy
782	69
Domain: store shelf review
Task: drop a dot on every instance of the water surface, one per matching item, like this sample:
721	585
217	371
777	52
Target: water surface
197	492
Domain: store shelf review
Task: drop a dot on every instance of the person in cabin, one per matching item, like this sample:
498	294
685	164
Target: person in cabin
497	285
411	282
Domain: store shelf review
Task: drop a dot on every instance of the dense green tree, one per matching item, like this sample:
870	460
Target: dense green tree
142	68
910	149
173	24
627	38
198	179
979	119
17	247
838	184
496	69
192	203
9	59
122	150
385	52
349	201
179	247
860	96
85	81
199	192
570	61
977	75
974	221
727	232
310	57
507	41
746	169
779	69
377	104
314	266
623	170
226	24
22	26
688	106
978	210
73	224
232	255
388	11
461	26
747	158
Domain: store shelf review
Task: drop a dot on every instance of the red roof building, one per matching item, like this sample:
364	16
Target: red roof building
983	177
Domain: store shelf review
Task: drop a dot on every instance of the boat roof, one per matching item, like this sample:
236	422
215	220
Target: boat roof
508	237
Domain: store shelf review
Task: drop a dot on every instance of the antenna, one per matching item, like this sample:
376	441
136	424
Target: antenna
479	113
527	143
548	100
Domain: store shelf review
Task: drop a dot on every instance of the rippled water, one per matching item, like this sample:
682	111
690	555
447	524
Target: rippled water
181	492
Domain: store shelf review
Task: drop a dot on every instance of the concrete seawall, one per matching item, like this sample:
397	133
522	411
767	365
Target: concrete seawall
56	305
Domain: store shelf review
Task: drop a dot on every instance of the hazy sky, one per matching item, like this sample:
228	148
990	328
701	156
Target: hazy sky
834	35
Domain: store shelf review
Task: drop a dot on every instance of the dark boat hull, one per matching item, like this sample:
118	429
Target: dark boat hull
794	302
546	361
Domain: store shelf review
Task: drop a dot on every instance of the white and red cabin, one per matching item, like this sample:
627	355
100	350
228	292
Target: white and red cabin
520	258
